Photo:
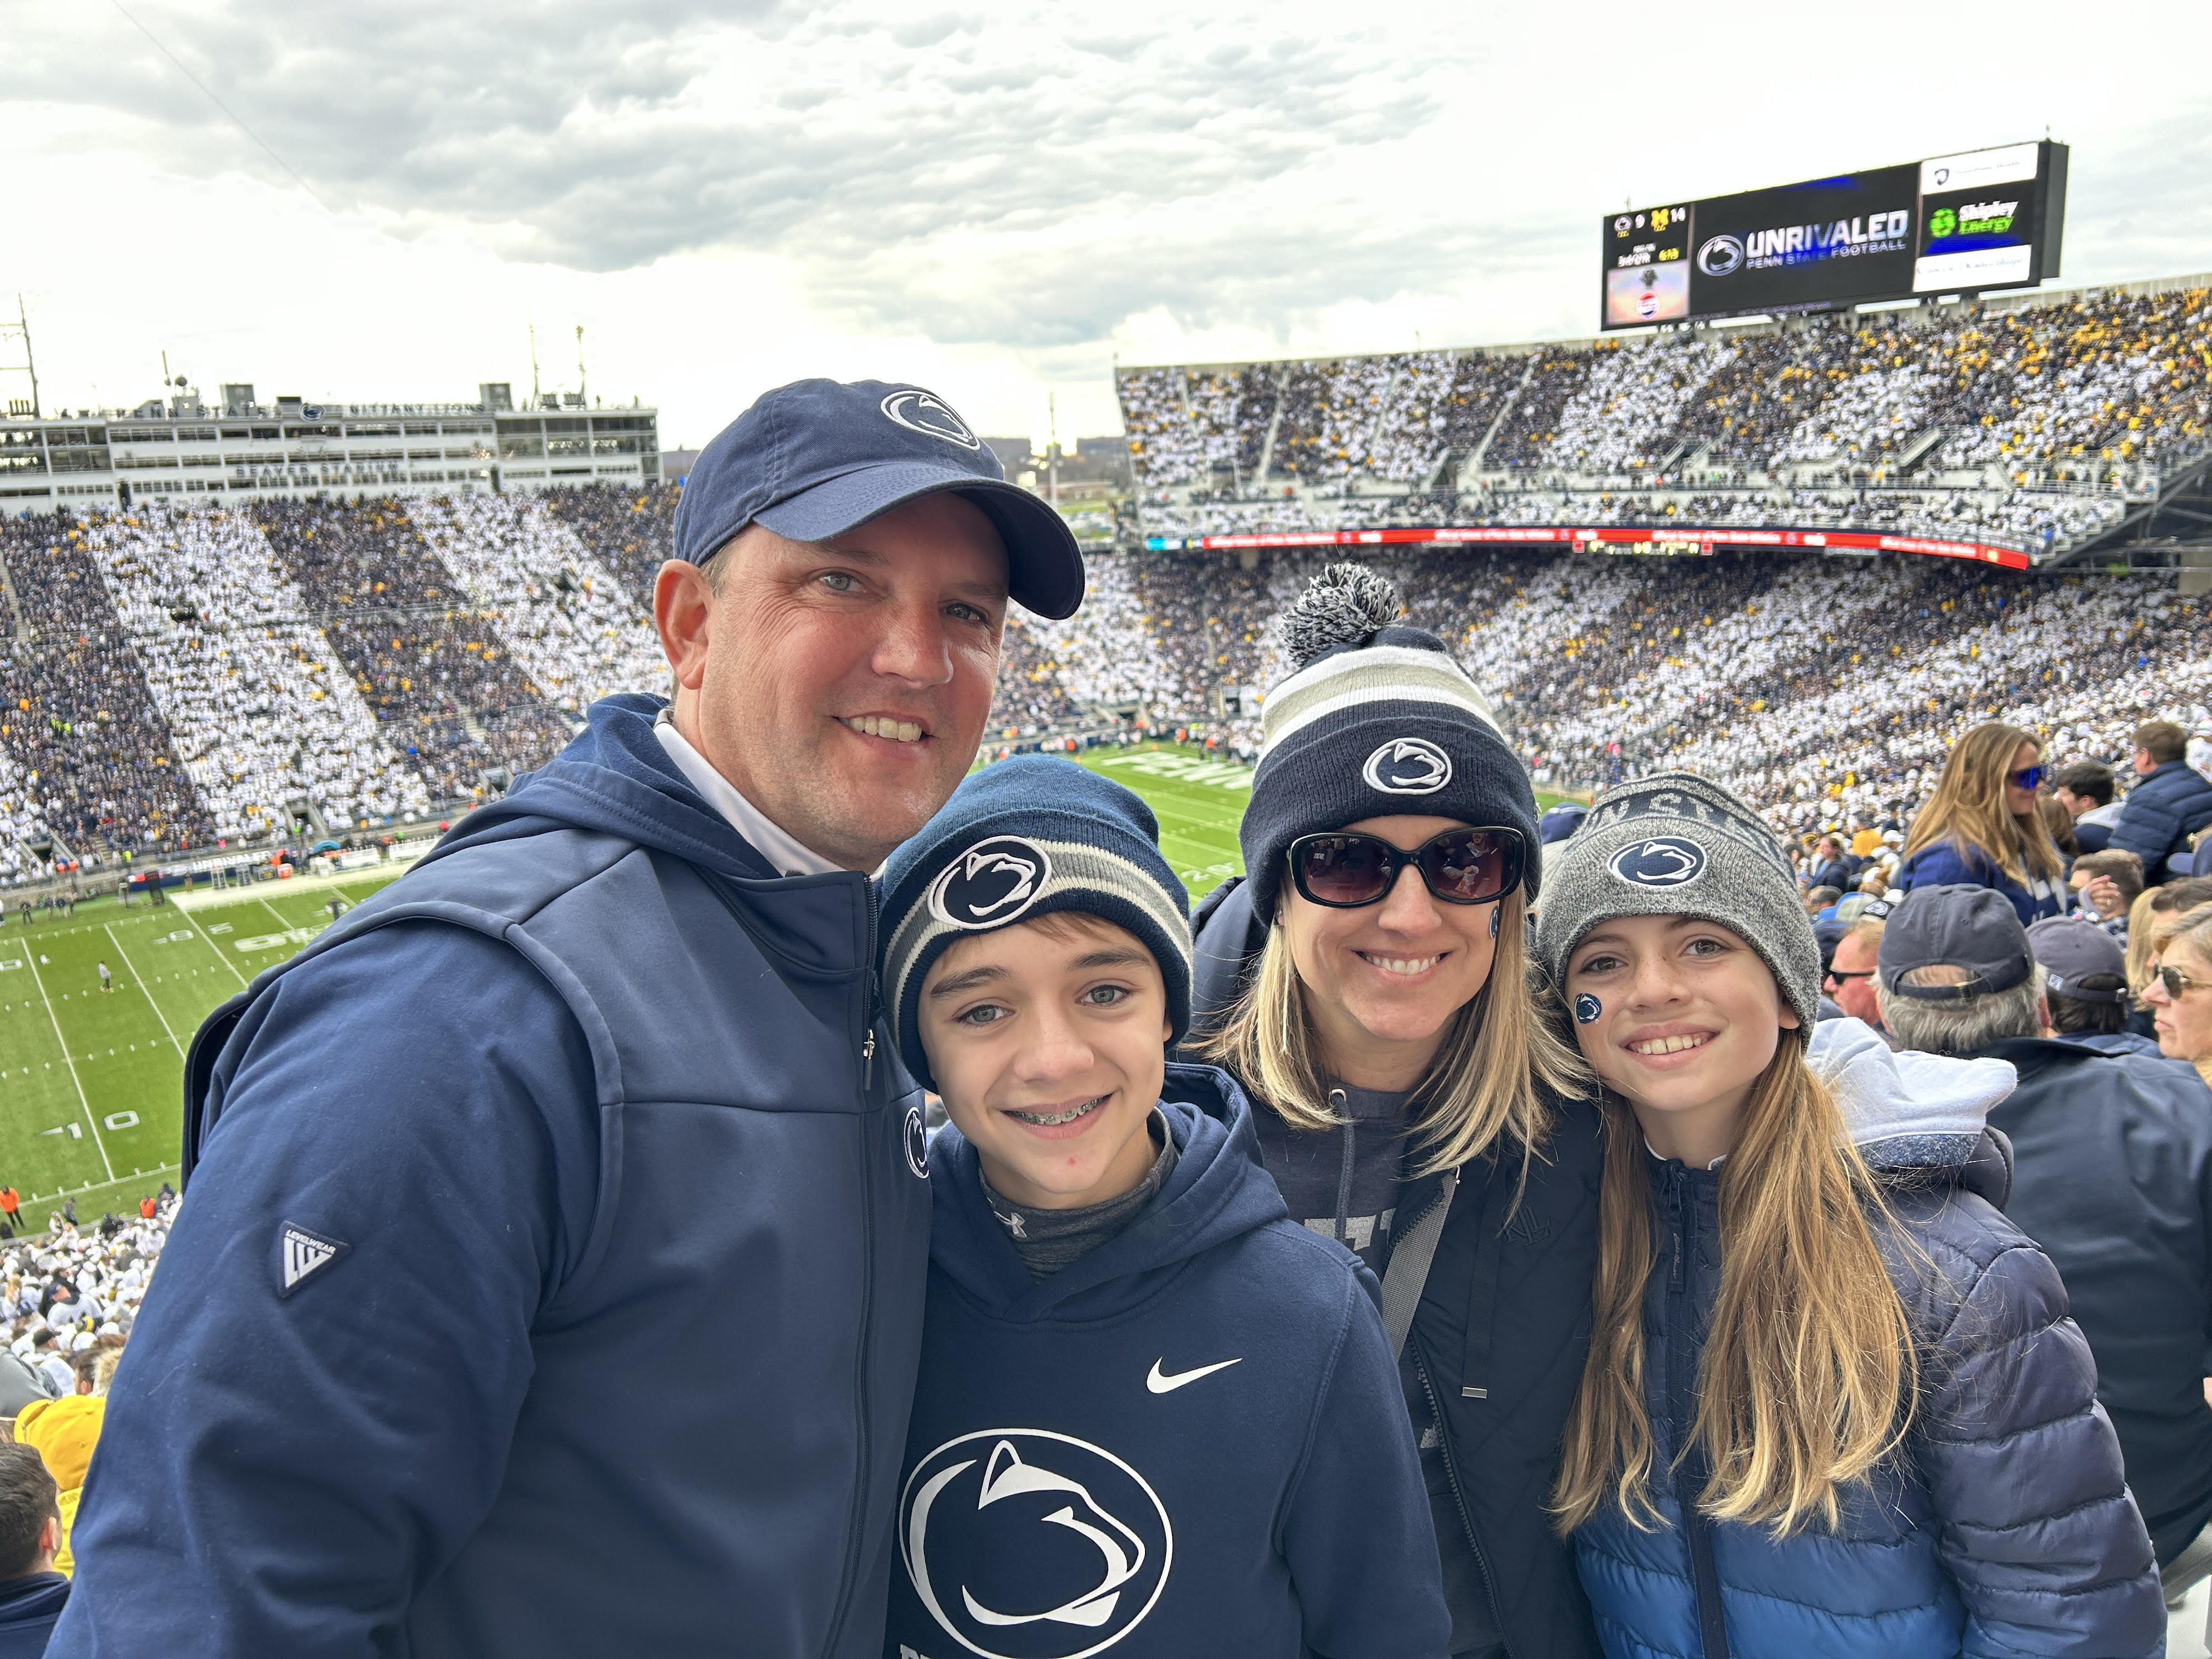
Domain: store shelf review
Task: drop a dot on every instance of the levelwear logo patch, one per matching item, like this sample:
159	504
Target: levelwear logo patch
1025	1544
1662	861
301	1254
990	883
1407	766
931	416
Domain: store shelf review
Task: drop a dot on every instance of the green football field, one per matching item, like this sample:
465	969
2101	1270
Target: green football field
91	1080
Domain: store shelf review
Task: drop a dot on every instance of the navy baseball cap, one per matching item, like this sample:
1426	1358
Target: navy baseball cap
1972	928
2072	949
816	459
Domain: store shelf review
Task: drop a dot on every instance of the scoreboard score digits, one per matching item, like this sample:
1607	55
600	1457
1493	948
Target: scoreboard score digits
1989	218
1647	273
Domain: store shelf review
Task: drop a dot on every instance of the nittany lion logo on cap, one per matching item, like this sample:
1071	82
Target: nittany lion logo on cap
1407	766
1024	1544
931	416
1659	861
990	883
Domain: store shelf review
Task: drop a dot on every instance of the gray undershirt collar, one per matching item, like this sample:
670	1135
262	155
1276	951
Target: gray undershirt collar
1048	1240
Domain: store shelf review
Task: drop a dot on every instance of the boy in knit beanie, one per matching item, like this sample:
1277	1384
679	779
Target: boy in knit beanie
1103	1237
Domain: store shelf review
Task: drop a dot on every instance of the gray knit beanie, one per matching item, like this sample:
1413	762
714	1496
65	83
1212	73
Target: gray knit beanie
1674	844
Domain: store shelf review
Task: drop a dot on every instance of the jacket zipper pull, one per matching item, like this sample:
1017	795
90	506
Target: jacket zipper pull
868	1060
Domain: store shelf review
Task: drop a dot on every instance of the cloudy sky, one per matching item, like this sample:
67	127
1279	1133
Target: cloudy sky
372	201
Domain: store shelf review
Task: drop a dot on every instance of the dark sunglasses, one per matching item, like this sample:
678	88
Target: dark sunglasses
1841	977
2028	777
2176	981
1344	869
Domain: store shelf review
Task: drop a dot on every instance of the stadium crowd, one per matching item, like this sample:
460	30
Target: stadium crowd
173	678
2025	425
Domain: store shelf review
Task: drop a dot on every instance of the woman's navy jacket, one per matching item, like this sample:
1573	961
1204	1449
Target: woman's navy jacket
1941	864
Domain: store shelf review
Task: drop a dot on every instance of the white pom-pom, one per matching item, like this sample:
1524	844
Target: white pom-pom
1344	602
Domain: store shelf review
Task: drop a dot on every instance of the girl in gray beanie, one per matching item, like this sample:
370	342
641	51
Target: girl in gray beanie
1833	1402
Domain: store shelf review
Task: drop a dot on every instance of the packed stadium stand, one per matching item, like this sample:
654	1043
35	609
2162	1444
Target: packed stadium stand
174	676
2034	425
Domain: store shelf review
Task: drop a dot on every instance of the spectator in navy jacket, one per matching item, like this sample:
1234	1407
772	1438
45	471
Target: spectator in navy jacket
1982	828
32	1593
2168	805
2112	1176
2085	790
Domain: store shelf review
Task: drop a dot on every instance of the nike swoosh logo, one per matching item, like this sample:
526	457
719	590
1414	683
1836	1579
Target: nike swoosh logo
1160	1382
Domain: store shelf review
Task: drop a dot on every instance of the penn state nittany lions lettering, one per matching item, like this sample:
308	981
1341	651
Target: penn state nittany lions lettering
1025	1544
990	883
932	416
1407	766
1662	861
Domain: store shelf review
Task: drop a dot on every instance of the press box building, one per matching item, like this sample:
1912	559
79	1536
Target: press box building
292	448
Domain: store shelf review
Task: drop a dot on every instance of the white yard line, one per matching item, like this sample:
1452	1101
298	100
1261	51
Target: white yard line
142	989
31	962
213	946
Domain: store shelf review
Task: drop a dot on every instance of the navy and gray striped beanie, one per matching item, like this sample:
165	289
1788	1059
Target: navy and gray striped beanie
1376	721
1020	839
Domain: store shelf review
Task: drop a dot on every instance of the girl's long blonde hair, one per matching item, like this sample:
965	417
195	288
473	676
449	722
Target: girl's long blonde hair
1488	1078
1968	807
1809	1378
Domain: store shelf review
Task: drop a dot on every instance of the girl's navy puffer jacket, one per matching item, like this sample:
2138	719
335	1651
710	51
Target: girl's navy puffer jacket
2004	1528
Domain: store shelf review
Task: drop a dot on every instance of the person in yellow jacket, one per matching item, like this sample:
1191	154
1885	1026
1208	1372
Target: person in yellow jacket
64	1431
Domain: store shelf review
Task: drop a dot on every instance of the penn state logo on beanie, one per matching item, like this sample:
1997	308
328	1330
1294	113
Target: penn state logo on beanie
1678	844
990	883
1023	838
1375	720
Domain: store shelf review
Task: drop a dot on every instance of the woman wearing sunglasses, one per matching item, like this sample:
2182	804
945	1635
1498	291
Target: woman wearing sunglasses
2178	993
1367	984
1982	827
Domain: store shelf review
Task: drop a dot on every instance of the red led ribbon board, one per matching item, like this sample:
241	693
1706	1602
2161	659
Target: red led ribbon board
1598	537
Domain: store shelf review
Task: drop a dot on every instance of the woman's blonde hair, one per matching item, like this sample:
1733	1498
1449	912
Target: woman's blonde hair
1488	1077
2141	947
1968	807
1809	1378
2192	931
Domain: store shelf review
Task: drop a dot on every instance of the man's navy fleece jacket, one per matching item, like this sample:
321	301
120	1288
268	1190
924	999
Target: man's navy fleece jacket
550	1280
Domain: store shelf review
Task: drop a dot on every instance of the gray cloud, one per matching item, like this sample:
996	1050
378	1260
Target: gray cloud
961	175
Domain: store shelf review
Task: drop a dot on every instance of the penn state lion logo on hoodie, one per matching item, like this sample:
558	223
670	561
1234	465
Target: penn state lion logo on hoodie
989	1518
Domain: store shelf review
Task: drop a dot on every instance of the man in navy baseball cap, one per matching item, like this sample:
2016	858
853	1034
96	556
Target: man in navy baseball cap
844	557
816	459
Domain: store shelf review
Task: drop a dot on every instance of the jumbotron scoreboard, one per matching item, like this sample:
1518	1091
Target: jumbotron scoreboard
1953	224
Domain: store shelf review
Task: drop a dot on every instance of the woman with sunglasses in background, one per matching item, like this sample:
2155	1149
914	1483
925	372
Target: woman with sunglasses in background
2177	990
1982	828
1367	983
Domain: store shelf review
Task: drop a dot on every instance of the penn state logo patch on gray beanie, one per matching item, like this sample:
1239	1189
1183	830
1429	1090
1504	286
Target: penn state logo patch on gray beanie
1662	861
1676	844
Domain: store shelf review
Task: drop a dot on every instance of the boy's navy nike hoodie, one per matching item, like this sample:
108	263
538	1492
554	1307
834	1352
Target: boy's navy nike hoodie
1188	1441
551	1279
